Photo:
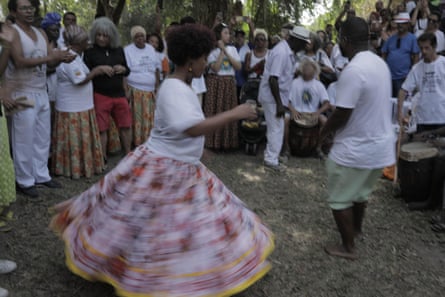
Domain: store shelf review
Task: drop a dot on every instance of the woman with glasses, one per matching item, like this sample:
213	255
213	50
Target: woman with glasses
221	88
256	58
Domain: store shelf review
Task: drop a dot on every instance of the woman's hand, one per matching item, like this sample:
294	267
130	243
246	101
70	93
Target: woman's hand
119	69
245	111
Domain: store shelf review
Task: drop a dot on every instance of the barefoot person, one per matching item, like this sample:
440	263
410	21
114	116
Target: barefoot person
160	223
364	139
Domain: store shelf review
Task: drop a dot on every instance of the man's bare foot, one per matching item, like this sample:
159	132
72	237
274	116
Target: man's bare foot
339	250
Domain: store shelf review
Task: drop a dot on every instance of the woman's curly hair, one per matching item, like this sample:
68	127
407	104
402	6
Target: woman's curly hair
189	41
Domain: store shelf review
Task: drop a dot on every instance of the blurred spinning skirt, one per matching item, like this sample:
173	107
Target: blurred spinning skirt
7	176
155	226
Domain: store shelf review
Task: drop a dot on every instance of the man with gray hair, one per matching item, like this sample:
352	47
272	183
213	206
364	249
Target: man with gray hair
274	91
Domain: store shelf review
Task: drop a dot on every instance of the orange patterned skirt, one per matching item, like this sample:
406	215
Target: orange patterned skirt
76	145
142	105
155	226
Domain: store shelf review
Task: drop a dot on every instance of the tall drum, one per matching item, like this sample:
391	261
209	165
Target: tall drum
303	135
416	164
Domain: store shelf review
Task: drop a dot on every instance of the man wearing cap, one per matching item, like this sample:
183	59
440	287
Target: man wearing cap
364	138
400	52
274	91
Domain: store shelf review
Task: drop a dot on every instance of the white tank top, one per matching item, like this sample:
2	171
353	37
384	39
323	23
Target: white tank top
30	79
253	61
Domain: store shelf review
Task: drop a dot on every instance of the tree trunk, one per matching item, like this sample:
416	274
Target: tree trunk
206	10
104	8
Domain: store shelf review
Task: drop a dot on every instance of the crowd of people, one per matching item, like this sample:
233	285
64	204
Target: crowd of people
71	94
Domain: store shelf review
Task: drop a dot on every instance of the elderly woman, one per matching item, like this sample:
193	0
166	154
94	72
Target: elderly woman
256	58
142	83
109	91
76	143
221	88
161	223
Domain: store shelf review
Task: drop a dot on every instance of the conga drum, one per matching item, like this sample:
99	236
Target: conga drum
416	164
303	135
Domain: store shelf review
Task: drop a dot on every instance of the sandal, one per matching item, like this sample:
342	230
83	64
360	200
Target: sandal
438	218
439	227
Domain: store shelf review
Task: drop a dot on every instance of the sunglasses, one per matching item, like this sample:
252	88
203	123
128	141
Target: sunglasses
432	21
260	39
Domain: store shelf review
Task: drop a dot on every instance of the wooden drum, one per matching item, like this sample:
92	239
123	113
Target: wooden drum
303	135
416	164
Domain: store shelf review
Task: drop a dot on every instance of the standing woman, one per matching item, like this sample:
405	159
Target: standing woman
77	150
142	83
256	58
221	89
109	90
161	223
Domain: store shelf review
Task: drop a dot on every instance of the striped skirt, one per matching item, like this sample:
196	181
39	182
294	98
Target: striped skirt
155	226
220	97
76	145
142	105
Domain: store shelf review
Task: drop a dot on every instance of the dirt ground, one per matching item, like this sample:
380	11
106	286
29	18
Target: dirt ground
399	255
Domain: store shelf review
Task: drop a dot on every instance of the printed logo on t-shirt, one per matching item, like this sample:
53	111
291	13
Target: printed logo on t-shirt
307	97
225	65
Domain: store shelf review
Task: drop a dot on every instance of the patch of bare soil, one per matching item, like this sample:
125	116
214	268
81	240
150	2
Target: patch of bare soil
399	255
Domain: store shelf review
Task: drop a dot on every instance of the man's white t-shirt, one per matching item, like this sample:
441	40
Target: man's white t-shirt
440	37
338	61
70	96
367	140
143	63
226	67
280	62
429	79
307	96
177	109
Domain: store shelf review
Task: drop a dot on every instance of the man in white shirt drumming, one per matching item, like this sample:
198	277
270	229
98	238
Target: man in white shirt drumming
364	137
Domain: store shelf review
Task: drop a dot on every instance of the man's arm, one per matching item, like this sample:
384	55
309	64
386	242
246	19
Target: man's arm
275	89
336	121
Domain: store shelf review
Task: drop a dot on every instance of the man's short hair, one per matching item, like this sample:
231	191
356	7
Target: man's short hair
240	32
355	30
431	37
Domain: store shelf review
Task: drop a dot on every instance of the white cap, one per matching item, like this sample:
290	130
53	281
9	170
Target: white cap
402	17
300	33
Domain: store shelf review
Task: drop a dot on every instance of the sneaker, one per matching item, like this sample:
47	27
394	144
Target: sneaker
3	292
28	191
7	266
51	184
277	168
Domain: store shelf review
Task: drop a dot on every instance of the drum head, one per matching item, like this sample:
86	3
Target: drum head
415	151
306	120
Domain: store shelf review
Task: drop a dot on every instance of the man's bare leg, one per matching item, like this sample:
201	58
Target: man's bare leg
345	224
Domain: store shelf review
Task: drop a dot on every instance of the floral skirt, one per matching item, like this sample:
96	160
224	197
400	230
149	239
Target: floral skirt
143	111
155	226
76	145
7	175
220	97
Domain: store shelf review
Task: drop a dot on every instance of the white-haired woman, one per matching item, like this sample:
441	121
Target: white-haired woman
109	91
256	58
77	149
307	96
142	83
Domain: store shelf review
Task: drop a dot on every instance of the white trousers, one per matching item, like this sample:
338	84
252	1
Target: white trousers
275	134
30	140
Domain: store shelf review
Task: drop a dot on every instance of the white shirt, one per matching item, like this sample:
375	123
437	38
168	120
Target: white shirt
440	37
226	67
367	140
199	85
143	63
280	63
177	109
410	5
429	79
338	61
255	60
332	92
307	96
70	96
243	51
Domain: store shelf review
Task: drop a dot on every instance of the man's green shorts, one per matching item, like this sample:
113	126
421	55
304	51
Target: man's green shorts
348	185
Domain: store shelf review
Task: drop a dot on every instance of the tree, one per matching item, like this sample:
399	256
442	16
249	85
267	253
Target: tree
110	10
